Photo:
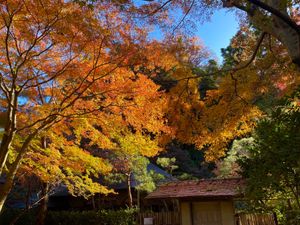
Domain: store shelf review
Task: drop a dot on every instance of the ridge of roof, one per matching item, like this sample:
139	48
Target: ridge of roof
206	188
204	180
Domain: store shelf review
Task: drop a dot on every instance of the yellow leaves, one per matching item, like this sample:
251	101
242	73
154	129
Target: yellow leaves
83	161
85	186
225	114
65	162
132	144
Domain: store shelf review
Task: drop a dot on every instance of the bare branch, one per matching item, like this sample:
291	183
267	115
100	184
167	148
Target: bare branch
3	87
159	8
185	15
87	87
236	88
242	66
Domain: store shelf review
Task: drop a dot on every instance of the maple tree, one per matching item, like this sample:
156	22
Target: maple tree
211	121
36	51
64	77
229	100
70	72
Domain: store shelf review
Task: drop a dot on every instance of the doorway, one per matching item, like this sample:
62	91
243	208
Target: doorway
206	213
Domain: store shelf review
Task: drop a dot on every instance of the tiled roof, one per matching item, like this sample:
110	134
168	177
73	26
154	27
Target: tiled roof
206	188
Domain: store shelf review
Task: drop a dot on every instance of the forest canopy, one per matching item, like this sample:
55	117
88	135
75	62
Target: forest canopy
85	92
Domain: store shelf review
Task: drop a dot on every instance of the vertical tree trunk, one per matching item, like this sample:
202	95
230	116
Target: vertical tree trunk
129	190
138	199
9	128
275	218
9	181
43	205
4	191
27	204
45	190
28	194
12	170
93	202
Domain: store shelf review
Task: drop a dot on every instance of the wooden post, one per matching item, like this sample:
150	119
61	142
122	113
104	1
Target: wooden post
275	218
191	213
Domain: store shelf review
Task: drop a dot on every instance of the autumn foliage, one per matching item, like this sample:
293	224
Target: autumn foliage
78	80
65	76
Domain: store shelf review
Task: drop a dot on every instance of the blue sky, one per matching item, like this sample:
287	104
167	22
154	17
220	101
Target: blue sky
216	34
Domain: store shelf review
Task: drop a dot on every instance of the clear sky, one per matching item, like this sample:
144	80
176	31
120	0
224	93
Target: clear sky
217	33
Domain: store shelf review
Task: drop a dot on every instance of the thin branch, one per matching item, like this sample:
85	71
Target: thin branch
3	87
59	114
184	89
42	120
41	94
158	9
243	66
88	86
55	75
185	15
38	38
8	26
236	88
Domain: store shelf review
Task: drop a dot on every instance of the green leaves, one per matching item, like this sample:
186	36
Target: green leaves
168	163
273	167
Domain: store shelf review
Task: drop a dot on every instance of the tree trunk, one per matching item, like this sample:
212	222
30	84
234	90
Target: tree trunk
28	194
129	190
93	202
43	205
12	171
277	22
138	199
9	131
9	181
45	190
27	203
4	191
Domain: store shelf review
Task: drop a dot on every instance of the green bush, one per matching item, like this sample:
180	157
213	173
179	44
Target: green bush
24	218
293	217
103	217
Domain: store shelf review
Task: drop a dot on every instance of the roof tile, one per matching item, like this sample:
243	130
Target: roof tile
206	188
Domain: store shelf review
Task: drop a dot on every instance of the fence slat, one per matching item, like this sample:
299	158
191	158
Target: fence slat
255	219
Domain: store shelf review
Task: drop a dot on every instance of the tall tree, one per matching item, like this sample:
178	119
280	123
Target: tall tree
130	163
63	73
272	168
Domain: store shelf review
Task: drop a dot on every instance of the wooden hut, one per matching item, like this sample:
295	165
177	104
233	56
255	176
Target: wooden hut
201	202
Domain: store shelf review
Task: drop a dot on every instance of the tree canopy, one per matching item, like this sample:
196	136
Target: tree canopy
272	167
83	79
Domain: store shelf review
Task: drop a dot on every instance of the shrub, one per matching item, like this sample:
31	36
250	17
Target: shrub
24	218
103	217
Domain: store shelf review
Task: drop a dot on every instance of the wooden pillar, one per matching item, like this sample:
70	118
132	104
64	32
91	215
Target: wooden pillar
192	213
